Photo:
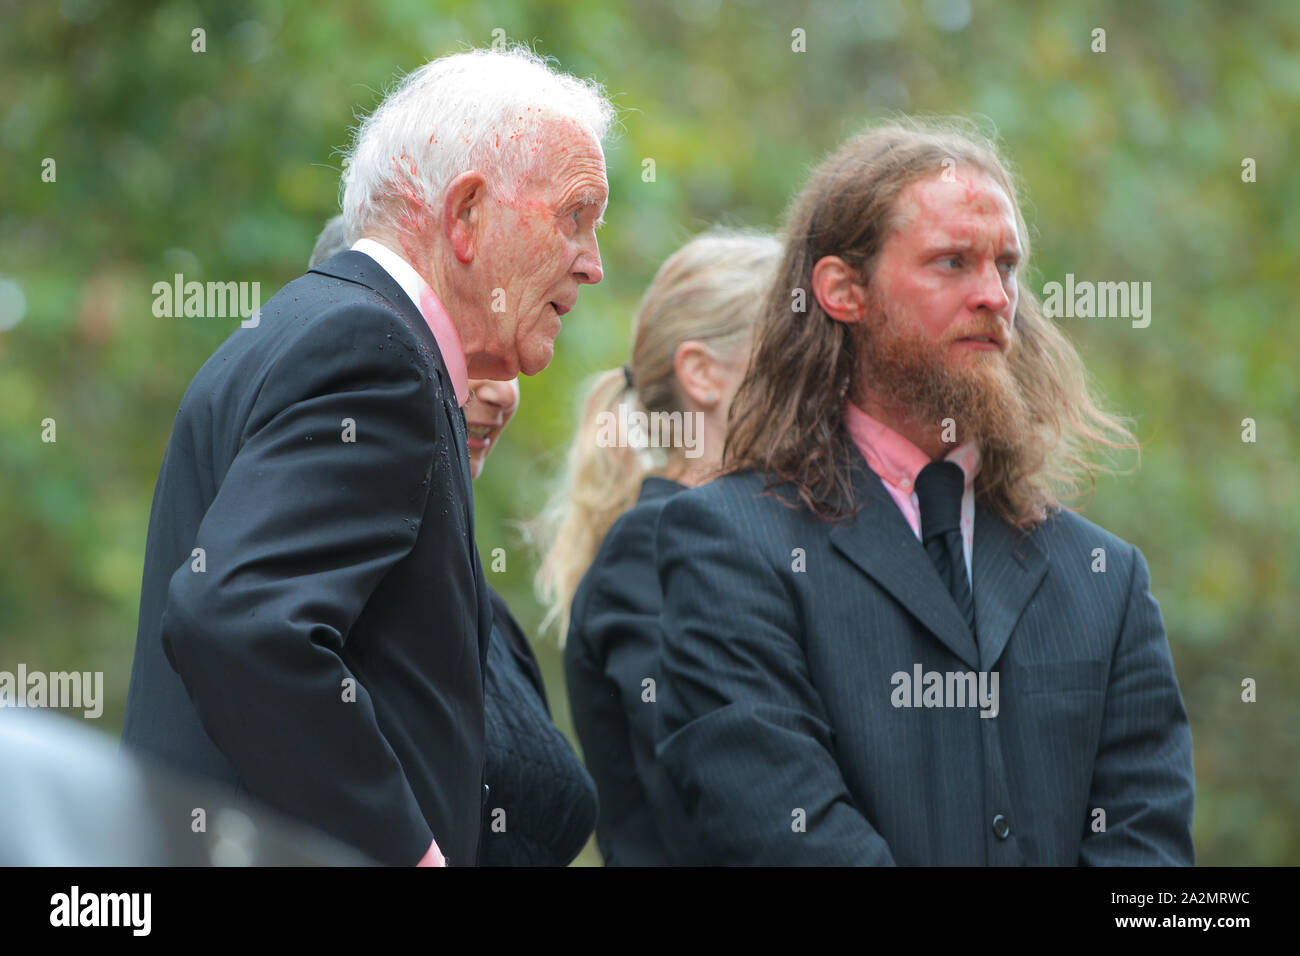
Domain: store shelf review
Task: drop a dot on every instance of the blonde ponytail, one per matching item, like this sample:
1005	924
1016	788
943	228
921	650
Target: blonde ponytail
600	484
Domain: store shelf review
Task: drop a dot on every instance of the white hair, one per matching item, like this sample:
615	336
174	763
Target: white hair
480	109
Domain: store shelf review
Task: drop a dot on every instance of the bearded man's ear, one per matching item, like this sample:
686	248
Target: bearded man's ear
838	289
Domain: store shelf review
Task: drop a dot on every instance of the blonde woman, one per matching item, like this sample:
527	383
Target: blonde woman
648	430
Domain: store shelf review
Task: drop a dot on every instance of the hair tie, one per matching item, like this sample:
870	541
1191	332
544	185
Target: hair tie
627	376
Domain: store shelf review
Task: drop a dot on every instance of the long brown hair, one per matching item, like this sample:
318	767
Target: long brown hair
787	419
708	291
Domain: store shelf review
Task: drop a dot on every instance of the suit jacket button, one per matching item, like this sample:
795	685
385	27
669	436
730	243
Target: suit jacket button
1001	827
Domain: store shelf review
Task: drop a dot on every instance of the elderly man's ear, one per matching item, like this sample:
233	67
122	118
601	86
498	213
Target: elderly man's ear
839	290
461	210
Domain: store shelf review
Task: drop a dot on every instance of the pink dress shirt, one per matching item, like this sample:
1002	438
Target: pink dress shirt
897	461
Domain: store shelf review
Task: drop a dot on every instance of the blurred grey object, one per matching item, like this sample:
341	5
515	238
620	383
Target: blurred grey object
331	241
69	798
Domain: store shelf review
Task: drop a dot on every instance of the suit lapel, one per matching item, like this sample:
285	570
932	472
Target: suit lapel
880	543
1007	568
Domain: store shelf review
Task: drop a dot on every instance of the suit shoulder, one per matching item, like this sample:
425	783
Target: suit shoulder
344	313
336	341
632	524
320	315
738	499
1066	534
1069	525
628	544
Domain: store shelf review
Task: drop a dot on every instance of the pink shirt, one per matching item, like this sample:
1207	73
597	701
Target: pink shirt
424	298
433	857
897	461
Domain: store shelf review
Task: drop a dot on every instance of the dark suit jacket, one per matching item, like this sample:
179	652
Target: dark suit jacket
779	726
541	805
327	565
611	648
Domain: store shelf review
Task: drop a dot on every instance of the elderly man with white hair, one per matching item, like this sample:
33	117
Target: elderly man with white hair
313	617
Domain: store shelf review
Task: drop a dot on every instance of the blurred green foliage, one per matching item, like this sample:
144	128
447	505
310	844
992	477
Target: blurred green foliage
223	165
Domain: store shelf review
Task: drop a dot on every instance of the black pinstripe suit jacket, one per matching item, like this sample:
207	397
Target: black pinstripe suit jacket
778	720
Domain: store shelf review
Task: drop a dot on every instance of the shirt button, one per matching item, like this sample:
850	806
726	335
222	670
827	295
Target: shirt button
1001	828
905	483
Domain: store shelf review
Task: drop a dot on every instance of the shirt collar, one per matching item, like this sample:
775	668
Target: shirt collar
895	459
426	300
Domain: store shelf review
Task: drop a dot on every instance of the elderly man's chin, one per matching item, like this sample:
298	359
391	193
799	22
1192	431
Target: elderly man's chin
536	353
535	360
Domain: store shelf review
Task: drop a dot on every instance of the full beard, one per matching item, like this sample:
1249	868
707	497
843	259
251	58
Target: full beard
979	393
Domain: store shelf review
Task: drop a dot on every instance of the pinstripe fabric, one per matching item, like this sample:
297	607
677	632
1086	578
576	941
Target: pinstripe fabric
777	725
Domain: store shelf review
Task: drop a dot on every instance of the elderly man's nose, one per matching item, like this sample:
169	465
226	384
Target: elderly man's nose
587	268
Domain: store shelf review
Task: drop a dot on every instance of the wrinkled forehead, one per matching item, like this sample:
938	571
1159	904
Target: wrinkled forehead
964	195
569	156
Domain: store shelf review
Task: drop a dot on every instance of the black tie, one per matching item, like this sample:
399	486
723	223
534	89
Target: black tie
939	488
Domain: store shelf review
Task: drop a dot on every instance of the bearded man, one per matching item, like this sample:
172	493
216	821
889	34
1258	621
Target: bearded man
886	641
